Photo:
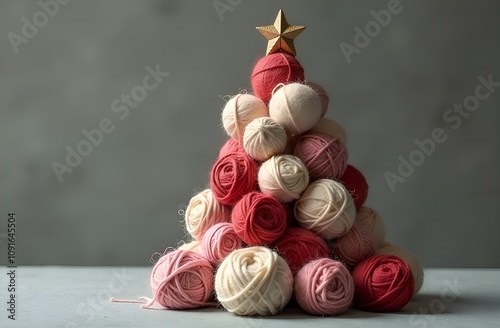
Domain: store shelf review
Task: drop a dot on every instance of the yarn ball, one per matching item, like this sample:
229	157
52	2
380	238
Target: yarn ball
355	246
323	95
332	128
283	176
182	280
324	156
296	106
324	287
405	255
230	146
194	246
219	241
239	112
326	208
253	281
383	283
259	218
264	138
298	246
372	221
273	69
203	211
232	176
356	183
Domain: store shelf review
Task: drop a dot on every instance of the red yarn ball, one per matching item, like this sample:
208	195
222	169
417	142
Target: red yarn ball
383	283
259	219
273	69
298	246
355	183
233	176
324	156
355	246
231	146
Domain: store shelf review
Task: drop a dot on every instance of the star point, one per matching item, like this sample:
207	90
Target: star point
280	35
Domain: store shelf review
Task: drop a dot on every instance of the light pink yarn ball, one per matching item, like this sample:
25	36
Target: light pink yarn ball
296	106
355	246
203	212
326	208
219	241
239	111
283	176
324	287
370	219
182	280
264	138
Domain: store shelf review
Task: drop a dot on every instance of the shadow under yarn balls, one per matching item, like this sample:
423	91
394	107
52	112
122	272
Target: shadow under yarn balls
283	176
259	219
324	156
326	208
182	280
324	287
253	281
264	138
383	283
239	112
355	246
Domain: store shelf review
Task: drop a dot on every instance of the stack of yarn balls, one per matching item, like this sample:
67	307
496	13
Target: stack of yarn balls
284	214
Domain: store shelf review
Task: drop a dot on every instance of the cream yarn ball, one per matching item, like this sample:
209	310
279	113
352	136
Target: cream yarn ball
202	212
415	267
239	112
326	208
283	176
263	138
371	220
254	281
332	128
194	246
296	106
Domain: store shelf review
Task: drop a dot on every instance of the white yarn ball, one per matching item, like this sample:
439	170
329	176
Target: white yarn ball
194	246
283	176
296	106
372	221
239	112
332	128
264	138
254	281
202	212
326	208
415	267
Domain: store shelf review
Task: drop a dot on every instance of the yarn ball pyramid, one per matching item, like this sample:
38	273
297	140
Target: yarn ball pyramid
284	216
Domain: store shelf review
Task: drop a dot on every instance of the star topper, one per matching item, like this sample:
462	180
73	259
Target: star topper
280	35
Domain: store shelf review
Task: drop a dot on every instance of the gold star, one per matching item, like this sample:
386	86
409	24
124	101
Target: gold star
280	35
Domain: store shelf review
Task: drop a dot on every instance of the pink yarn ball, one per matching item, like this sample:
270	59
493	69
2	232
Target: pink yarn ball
323	95
355	246
299	246
259	219
230	147
219	241
324	156
182	280
324	287
273	69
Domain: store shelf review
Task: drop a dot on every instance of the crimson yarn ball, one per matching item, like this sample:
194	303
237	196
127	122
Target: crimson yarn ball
232	176
273	69
324	156
298	246
259	219
383	283
231	146
356	184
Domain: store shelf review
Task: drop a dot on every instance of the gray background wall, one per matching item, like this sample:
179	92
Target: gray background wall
120	204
